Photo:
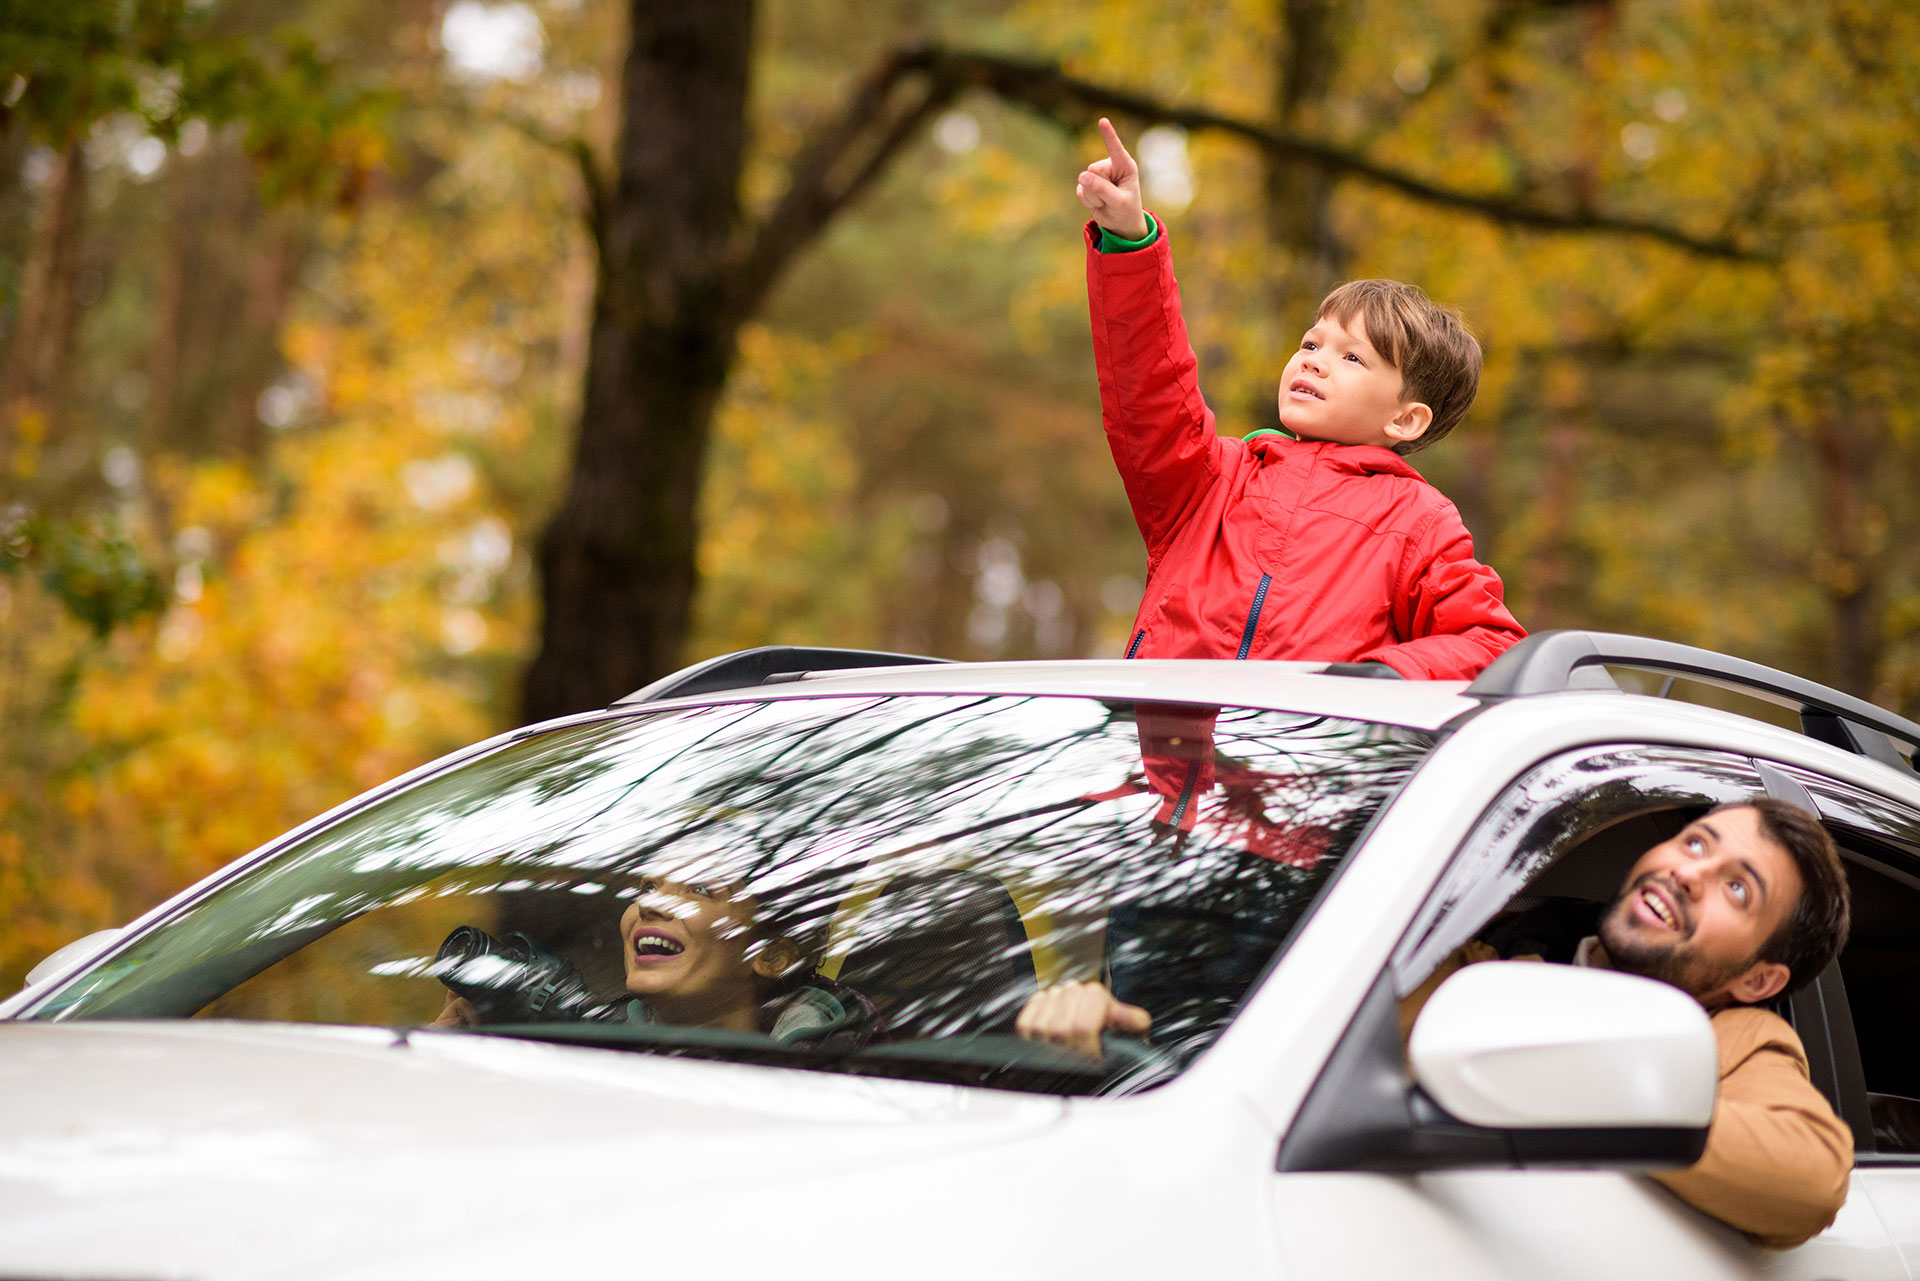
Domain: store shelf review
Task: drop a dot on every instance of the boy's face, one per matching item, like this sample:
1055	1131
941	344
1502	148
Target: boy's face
1338	388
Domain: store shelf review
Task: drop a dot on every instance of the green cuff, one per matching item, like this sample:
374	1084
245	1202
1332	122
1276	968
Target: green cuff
1270	431
1112	244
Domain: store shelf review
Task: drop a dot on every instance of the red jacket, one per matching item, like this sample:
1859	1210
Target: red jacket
1274	548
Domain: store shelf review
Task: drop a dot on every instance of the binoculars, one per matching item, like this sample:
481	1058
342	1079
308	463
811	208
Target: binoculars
514	979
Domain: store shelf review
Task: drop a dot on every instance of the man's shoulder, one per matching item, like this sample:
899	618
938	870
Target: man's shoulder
1743	1031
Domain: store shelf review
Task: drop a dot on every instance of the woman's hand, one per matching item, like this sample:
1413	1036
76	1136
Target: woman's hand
1074	1015
1110	189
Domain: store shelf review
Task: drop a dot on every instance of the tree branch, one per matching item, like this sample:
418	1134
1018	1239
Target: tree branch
574	148
882	116
840	163
1042	87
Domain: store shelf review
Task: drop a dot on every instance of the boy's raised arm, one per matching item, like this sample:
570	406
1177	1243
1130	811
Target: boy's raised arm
1158	427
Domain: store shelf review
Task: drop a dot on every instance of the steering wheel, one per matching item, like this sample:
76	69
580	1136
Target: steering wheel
1131	1062
1127	1052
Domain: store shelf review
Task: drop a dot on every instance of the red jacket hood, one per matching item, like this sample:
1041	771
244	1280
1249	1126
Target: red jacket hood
1360	460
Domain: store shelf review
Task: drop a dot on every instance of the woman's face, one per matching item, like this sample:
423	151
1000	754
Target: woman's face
686	949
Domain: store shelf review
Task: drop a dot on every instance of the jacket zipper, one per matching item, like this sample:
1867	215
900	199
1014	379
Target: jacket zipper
1253	616
1137	638
1186	794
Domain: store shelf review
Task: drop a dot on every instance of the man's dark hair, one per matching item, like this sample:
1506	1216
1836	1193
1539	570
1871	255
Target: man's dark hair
1816	930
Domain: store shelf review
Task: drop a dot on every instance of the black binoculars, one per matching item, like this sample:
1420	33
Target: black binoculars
514	979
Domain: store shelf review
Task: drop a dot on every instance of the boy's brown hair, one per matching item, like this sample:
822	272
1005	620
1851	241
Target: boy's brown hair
1438	360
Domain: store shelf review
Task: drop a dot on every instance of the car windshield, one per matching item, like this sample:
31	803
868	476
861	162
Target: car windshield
872	884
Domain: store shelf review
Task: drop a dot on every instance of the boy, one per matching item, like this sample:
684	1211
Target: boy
1315	541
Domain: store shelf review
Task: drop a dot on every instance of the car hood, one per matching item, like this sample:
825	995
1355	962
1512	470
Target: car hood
203	1149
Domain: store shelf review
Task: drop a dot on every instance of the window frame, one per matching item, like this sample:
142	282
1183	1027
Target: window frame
1364	1111
1882	834
1502	829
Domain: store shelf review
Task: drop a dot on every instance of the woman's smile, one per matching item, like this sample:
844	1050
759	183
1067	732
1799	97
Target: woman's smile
652	946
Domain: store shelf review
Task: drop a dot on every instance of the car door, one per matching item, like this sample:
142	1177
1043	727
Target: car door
1567	829
1868	1057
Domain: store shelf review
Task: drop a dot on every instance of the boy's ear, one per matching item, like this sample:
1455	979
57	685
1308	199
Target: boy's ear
1411	422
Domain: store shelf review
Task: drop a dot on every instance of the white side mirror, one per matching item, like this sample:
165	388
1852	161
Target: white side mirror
80	949
1524	1045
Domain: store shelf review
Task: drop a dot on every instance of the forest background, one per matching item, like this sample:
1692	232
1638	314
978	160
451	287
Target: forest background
339	338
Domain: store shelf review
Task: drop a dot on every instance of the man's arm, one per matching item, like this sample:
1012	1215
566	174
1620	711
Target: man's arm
1160	430
1451	608
1777	1158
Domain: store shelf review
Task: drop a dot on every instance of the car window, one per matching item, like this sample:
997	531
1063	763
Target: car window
1879	839
1566	829
874	884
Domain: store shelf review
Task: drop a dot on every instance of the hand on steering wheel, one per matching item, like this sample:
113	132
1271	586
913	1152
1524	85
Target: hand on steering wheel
1074	1014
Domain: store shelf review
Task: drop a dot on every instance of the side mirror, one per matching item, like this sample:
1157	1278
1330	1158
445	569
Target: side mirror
1575	1065
72	954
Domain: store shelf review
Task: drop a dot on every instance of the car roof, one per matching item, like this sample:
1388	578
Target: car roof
1293	687
1550	662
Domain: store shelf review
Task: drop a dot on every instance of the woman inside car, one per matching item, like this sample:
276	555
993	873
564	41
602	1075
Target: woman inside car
704	953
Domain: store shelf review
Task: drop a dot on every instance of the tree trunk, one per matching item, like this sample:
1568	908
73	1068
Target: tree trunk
1306	257
49	318
169	306
1845	561
280	247
617	561
1300	192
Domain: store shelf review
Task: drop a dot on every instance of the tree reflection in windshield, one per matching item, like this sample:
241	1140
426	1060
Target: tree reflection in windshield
936	858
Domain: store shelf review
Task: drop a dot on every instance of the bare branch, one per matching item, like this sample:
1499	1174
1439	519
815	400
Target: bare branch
910	85
573	147
594	186
1042	87
841	162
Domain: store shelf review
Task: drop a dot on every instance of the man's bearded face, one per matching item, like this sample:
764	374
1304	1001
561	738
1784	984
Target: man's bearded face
1697	909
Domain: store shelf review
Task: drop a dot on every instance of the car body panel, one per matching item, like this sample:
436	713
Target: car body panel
1894	1192
1520	1225
208	1149
180	1148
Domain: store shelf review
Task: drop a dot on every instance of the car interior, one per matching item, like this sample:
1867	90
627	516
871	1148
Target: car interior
1880	976
943	952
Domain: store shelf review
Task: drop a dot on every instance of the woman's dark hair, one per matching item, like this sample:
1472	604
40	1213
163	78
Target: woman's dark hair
1816	930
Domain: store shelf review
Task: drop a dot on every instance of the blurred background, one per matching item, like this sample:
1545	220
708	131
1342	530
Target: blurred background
379	374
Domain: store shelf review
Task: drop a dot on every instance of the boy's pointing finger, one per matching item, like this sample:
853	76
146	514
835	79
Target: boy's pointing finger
1122	162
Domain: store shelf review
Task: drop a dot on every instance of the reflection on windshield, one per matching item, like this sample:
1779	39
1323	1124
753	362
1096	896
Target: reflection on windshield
859	878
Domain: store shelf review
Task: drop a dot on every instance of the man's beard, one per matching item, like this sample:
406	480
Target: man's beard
1669	962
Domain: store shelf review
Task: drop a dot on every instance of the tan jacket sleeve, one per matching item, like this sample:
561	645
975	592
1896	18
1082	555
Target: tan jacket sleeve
1777	1157
1471	952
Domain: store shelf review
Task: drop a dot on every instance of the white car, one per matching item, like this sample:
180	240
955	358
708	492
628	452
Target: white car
246	1082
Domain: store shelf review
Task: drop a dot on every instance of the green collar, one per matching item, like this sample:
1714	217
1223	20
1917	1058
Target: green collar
1270	431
